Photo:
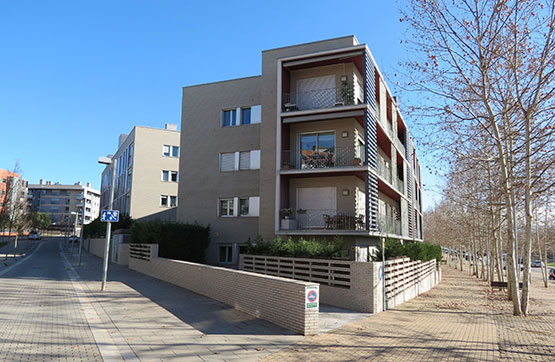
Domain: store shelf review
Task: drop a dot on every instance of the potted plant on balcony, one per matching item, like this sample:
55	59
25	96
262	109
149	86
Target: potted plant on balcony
286	222
356	161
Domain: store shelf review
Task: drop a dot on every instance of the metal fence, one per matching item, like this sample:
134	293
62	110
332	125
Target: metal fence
330	219
332	157
321	98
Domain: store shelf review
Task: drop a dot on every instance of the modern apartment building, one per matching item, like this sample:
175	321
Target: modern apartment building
64	203
13	192
147	173
316	146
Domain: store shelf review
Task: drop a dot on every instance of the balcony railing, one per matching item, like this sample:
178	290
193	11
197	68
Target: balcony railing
383	170
329	219
389	225
332	157
400	185
322	98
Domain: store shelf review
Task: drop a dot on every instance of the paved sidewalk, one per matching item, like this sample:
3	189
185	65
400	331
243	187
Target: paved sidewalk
462	319
530	338
452	322
41	318
160	321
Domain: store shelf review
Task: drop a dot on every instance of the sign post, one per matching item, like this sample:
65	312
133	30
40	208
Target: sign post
109	216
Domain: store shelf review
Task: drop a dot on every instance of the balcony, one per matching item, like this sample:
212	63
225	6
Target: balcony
322	98
316	159
325	219
383	170
389	225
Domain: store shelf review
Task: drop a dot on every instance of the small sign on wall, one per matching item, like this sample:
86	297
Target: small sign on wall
311	297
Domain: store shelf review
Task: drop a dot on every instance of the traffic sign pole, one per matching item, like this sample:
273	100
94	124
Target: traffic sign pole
108	227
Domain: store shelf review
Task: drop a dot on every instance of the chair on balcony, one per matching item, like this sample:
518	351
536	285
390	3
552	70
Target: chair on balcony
328	222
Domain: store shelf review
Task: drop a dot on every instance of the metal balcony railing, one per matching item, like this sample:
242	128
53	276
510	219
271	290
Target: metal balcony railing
389	225
322	98
332	157
330	219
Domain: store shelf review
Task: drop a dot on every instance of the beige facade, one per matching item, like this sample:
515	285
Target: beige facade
336	157
147	173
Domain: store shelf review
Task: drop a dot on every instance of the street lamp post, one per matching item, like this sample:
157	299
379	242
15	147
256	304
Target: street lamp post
74	231
113	162
82	229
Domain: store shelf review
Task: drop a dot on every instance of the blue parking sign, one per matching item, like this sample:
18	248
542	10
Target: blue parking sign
109	215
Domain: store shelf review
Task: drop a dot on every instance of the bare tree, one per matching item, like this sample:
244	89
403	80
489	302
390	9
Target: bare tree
486	67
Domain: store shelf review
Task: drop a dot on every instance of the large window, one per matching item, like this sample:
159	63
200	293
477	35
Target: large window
226	207
317	150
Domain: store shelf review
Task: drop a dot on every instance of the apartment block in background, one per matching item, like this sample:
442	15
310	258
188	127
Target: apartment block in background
147	173
314	147
64	203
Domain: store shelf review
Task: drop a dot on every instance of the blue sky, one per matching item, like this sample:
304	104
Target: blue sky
76	74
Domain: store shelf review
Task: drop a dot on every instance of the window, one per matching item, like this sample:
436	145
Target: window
170	151
227	161
226	254
226	207
173	176
244	160
244	206
173	201
234	161
246	116
317	150
229	118
165	175
164	200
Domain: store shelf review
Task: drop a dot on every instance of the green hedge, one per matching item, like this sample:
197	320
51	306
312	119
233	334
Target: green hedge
179	241
414	250
300	249
97	228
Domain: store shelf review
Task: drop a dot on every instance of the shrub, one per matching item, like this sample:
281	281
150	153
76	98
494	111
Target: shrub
414	250
300	249
97	228
175	240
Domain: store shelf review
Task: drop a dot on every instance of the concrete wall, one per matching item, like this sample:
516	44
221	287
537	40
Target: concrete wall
123	254
202	184
277	300
95	246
